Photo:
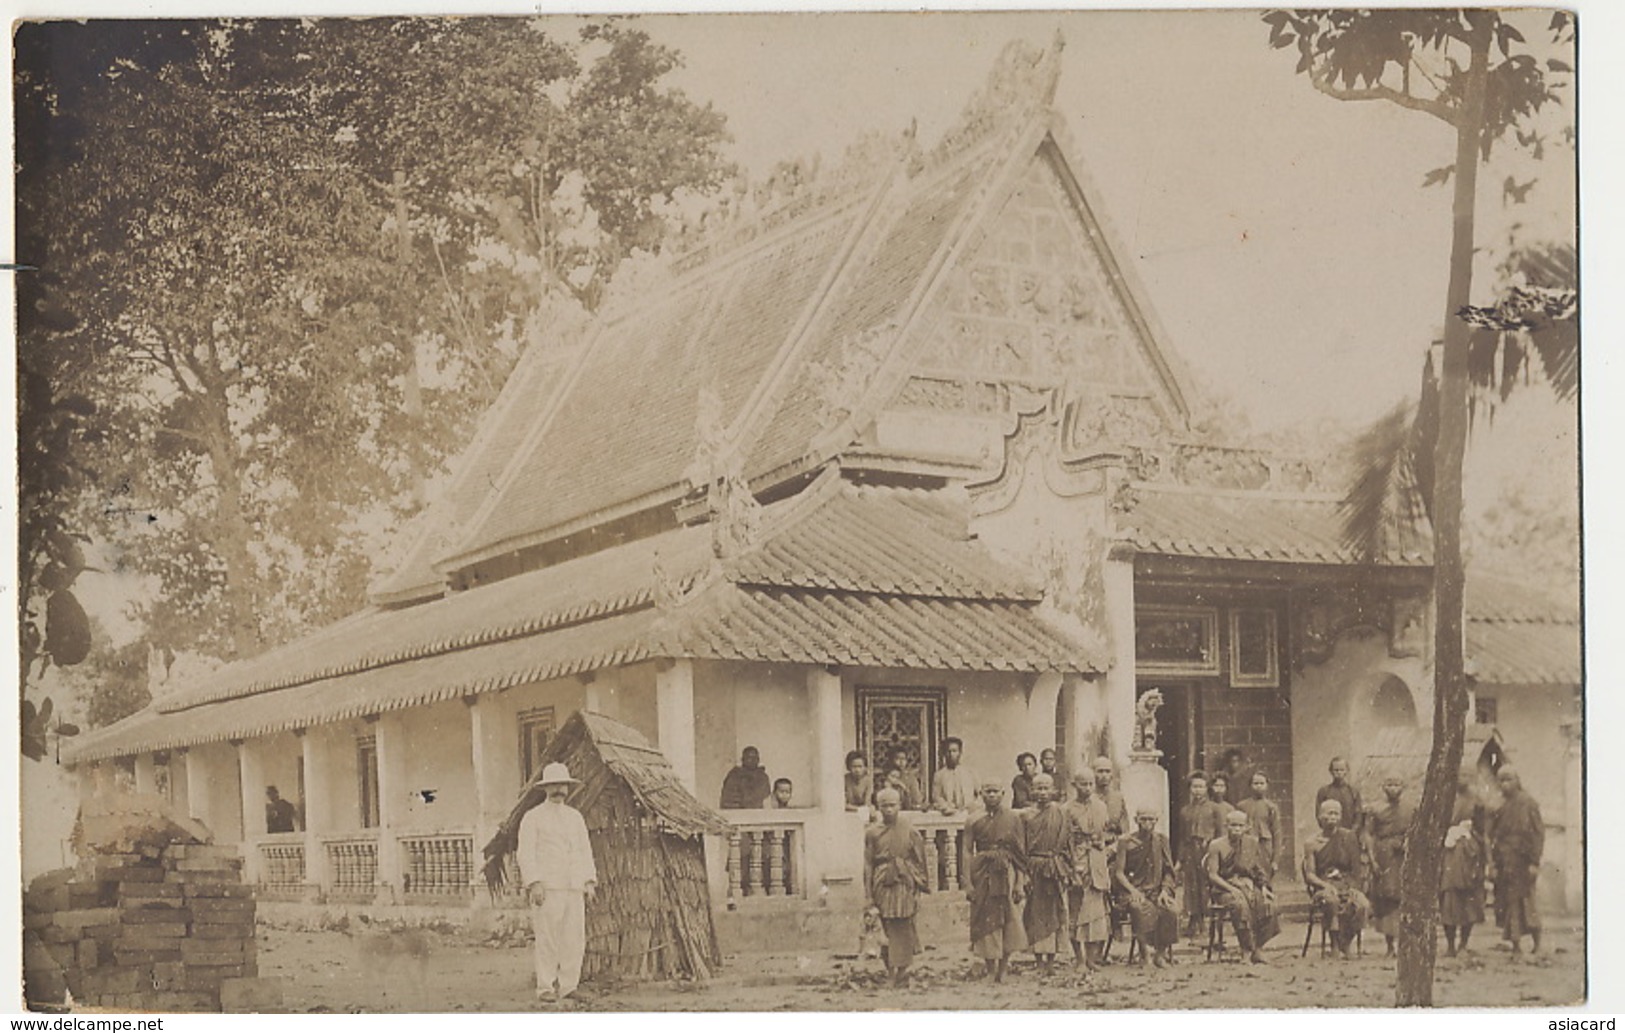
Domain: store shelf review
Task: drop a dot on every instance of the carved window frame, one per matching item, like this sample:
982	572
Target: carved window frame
1270	677
934	699
1209	618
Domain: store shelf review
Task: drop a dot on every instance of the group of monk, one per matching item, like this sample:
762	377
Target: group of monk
1052	872
1039	878
1351	866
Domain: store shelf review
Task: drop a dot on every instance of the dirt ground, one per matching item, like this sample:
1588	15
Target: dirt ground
433	972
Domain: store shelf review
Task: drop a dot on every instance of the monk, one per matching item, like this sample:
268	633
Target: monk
1264	819
1203	822
1333	870
1236	876
1107	792
1050	871
996	852
894	876
1144	873
1461	887
1387	826
1088	900
1517	838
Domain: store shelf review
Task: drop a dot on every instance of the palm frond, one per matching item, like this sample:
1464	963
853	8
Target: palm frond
506	840
1382	455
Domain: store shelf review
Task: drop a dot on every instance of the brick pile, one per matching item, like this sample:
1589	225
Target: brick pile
159	929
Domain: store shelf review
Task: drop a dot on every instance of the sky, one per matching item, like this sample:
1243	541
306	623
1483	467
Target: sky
1289	248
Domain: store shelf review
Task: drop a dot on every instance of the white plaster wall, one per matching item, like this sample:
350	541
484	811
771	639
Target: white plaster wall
279	758
761	705
1531	719
628	695
436	754
223	807
1331	708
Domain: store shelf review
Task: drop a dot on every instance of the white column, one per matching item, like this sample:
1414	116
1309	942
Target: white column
829	753
490	793
197	788
318	774
1042	697
674	704
1121	681
251	778
146	779
180	788
391	798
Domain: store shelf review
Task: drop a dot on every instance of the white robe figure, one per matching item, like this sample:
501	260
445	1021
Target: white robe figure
556	857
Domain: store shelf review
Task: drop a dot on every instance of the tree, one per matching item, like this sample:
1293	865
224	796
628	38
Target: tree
302	254
1473	71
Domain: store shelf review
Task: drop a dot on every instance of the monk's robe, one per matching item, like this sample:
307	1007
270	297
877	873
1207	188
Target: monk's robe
1461	886
1088	898
894	872
1145	863
1021	792
1203	822
1242	866
1387	826
1336	861
1049	870
997	846
1517	838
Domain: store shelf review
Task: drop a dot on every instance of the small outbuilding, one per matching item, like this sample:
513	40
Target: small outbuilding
651	918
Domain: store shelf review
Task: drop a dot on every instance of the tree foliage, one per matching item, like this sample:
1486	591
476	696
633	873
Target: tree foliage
298	256
1475	71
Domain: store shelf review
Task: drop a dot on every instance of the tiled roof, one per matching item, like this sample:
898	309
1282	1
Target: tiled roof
470	671
844	575
502	429
871	540
892	268
1520	635
1243	525
627	427
858	628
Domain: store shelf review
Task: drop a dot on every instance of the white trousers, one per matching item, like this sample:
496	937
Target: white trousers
560	925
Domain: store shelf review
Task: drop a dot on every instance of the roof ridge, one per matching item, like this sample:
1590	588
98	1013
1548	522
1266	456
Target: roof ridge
1169	488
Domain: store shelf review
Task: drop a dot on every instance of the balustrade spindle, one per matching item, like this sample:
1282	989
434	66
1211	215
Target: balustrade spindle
753	881
775	862
932	860
950	859
735	874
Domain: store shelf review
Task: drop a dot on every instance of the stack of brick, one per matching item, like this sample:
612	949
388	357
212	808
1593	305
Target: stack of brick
160	929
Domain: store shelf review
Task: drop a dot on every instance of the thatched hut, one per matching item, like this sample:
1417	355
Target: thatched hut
652	915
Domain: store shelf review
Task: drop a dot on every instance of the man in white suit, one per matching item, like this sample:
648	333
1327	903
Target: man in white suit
555	857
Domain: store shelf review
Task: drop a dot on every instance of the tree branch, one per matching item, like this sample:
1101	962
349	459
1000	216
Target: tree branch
1322	81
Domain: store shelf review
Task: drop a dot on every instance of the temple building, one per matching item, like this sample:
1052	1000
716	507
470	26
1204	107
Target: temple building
899	456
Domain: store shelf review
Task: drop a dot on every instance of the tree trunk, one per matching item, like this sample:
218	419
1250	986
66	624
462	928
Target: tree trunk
1424	852
231	528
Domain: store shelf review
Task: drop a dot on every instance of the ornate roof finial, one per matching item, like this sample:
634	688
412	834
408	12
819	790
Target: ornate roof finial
1021	83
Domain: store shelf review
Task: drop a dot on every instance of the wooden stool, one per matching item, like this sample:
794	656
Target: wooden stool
1119	915
1322	915
1218	916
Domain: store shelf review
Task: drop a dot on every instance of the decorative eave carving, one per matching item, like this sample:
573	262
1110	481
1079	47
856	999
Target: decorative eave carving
1020	86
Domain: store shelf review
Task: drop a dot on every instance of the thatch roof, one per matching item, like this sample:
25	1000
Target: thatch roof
644	768
599	750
